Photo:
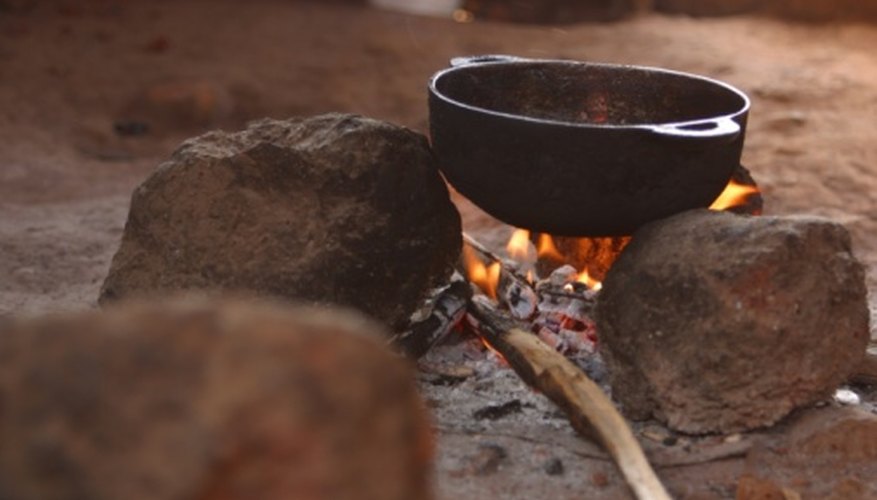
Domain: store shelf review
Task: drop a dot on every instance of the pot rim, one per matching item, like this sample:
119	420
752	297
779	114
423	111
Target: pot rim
676	128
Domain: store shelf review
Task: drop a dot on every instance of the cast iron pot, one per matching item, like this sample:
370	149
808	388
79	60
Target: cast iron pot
583	149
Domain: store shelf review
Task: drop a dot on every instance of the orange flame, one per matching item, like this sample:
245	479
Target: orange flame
546	248
492	349
518	246
735	194
485	277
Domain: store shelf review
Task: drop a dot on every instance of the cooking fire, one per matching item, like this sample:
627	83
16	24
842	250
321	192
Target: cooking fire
537	282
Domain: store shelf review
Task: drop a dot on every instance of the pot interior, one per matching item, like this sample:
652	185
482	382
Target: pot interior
589	93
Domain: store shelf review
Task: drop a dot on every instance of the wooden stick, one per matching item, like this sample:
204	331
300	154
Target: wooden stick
589	410
472	242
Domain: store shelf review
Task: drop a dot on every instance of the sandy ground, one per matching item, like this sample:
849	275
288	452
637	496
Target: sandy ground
68	74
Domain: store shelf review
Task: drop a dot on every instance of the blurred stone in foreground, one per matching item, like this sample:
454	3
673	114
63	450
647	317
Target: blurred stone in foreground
714	322
193	400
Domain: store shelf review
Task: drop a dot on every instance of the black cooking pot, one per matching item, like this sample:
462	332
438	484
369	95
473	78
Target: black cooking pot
583	149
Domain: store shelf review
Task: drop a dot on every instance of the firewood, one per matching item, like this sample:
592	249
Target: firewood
448	310
513	290
589	410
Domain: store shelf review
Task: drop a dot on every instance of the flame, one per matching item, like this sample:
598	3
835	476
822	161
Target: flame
492	349
546	248
735	194
518	246
584	277
485	277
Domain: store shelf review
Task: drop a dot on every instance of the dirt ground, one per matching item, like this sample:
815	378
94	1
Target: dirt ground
69	74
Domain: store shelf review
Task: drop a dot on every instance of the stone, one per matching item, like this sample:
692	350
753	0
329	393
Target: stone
208	400
715	322
805	10
334	209
553	11
708	8
824	10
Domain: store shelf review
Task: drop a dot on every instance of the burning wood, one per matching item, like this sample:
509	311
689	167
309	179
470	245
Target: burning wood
448	309
503	282
589	410
557	307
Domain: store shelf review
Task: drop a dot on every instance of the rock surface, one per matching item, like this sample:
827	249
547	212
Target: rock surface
707	7
553	11
808	10
713	322
193	400
793	462
333	209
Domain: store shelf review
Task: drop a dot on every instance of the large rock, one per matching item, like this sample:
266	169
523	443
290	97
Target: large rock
337	208
809	10
711	321
708	7
200	401
553	11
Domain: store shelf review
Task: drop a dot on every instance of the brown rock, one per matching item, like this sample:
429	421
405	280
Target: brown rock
824	10
336	208
714	322
708	8
807	10
553	11
192	400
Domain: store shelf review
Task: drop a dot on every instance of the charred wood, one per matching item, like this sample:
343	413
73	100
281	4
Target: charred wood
448	310
513	290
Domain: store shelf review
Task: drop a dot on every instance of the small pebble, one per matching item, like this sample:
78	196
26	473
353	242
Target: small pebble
130	128
553	467
847	397
487	459
733	438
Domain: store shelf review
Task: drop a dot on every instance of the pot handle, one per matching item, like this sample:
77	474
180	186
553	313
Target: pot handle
723	127
489	58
